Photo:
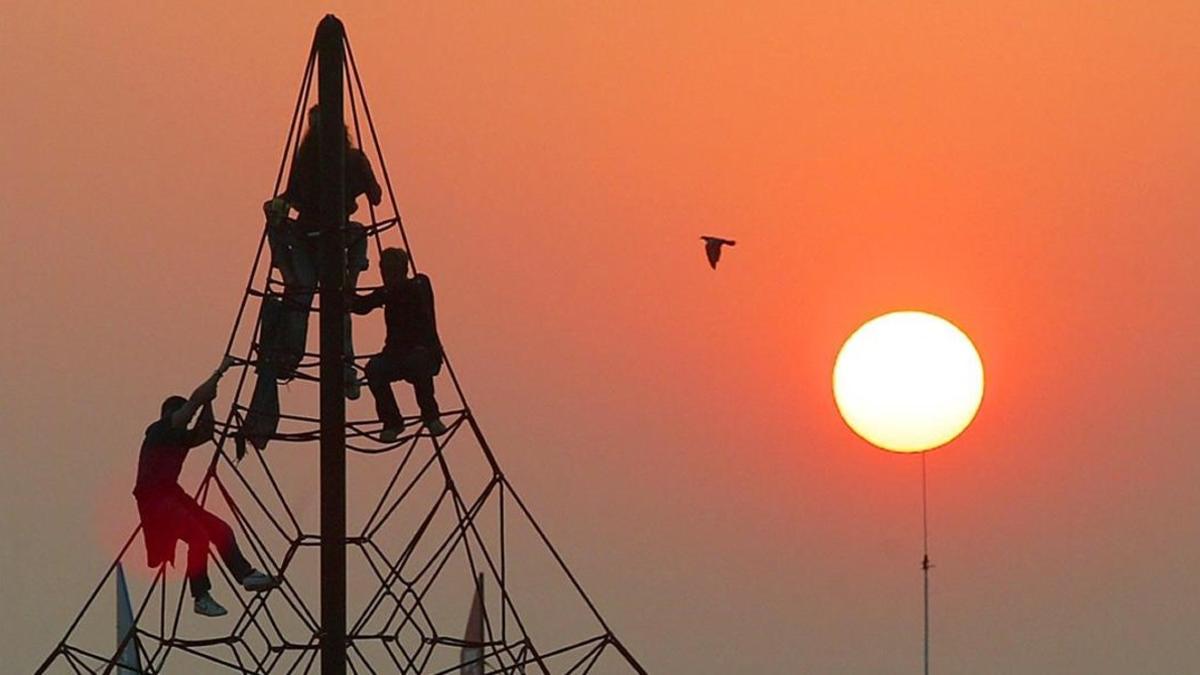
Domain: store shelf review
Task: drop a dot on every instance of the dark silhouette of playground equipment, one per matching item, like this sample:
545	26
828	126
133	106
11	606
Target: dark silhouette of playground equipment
396	580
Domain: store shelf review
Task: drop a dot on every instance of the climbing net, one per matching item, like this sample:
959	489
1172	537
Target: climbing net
435	541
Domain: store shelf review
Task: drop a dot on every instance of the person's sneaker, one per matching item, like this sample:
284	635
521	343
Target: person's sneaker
353	388
257	581
390	434
435	427
206	606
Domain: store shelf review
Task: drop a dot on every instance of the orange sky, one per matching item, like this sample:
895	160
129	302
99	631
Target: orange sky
1026	169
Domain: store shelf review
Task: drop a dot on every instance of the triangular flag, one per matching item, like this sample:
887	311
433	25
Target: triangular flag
129	661
472	651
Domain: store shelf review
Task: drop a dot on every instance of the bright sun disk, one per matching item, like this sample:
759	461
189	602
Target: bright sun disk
908	381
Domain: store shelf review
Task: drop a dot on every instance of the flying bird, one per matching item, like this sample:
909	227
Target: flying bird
712	248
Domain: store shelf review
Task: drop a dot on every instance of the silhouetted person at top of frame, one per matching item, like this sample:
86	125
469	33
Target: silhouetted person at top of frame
411	351
304	182
295	253
169	514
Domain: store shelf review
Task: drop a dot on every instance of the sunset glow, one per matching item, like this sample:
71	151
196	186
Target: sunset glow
908	381
1026	170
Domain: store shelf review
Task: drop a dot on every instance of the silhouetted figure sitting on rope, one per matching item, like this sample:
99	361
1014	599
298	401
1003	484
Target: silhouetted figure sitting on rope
169	514
295	252
411	351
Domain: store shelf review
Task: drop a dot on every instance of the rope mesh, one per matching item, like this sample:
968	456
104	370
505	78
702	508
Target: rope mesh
438	532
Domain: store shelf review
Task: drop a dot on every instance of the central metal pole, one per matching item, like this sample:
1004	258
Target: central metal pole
331	137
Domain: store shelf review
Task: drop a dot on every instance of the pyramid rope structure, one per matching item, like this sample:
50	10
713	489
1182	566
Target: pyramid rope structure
437	535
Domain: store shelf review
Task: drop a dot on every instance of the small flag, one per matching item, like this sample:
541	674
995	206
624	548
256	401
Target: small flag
129	661
472	651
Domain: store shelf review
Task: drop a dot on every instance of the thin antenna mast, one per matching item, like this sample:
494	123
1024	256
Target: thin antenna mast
925	564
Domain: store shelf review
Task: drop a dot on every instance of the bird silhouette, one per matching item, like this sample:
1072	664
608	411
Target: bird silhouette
712	248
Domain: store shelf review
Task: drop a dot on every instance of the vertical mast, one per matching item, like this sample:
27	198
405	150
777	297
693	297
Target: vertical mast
925	564
331	134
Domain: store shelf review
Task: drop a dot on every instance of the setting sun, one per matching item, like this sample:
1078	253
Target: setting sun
908	381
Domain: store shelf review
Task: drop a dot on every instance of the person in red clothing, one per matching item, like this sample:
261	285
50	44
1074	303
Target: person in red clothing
169	514
411	350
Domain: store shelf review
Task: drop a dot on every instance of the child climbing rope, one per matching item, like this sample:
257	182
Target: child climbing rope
169	514
294	252
411	350
303	194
